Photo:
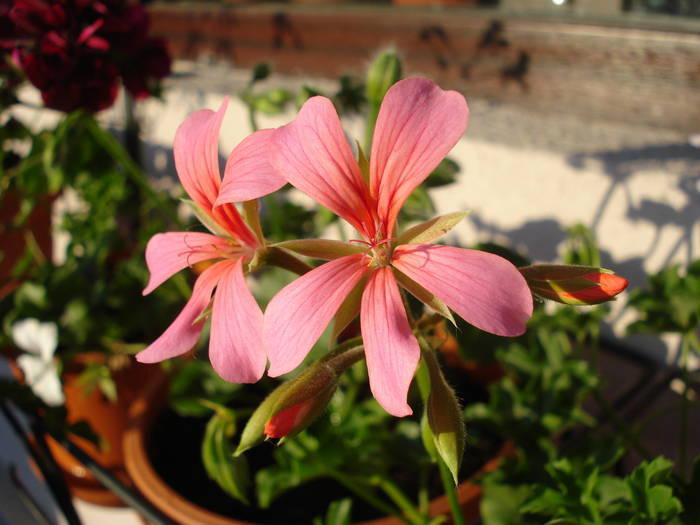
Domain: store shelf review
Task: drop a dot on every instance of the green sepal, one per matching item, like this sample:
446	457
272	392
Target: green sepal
315	381
424	295
431	230
205	313
349	309
251	214
254	431
558	272
209	223
363	163
321	248
444	416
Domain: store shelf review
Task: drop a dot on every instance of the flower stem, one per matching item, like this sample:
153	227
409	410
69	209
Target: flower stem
349	483
252	119
423	496
685	407
448	485
399	498
345	360
620	425
117	152
285	260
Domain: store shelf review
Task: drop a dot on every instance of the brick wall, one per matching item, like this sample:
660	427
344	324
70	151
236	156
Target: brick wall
635	75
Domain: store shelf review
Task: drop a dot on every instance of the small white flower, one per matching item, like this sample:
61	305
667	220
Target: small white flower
40	341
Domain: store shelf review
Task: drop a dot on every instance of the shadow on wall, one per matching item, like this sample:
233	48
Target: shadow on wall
680	160
542	237
492	48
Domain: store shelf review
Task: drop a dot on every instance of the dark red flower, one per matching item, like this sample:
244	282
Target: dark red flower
76	51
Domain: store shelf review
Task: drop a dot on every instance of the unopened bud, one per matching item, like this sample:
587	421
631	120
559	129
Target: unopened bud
444	418
576	285
383	72
297	417
294	405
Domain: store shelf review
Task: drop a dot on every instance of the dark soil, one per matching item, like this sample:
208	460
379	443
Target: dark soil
174	447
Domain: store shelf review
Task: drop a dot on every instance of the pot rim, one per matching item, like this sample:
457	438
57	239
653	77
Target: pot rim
138	464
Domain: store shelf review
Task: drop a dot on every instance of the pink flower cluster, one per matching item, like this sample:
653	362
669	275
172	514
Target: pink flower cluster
76	51
418	124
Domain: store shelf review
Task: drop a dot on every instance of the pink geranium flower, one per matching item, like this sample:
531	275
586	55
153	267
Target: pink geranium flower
417	126
235	348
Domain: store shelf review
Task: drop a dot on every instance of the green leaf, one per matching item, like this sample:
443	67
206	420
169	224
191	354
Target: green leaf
108	387
446	173
650	496
418	207
662	503
581	246
428	231
501	504
98	375
229	472
261	71
338	513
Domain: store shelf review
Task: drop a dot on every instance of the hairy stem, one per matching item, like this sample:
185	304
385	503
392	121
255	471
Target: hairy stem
448	485
399	498
349	483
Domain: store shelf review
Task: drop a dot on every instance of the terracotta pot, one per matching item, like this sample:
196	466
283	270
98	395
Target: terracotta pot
14	241
468	493
143	413
107	419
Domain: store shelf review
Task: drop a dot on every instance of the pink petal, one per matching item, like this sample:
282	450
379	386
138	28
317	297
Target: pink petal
248	174
484	289
90	30
313	154
168	253
182	335
196	151
296	317
235	347
390	347
418	124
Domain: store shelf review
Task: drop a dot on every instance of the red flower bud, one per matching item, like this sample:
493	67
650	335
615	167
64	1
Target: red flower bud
577	285
288	419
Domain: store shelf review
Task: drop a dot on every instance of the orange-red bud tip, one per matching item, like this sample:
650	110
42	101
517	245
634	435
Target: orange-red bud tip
609	284
607	287
285	421
569	284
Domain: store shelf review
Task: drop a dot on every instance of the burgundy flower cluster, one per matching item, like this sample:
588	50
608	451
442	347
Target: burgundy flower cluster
76	51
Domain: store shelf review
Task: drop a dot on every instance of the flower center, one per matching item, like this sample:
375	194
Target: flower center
378	251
